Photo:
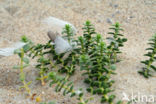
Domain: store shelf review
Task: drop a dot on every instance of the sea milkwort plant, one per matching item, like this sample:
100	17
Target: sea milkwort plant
68	33
42	66
43	69
67	65
66	86
24	62
149	67
39	51
116	41
97	71
89	52
89	31
96	60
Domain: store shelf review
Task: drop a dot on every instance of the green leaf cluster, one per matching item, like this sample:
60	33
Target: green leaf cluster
68	33
116	41
97	64
151	54
24	62
90	52
66	86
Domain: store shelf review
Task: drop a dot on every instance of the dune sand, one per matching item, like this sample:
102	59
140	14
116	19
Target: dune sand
23	17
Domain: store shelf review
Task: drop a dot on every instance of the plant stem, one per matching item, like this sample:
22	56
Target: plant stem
27	88
42	74
22	72
73	91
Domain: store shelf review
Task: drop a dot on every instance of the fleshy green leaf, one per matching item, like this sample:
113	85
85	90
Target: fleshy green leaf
113	67
26	60
16	67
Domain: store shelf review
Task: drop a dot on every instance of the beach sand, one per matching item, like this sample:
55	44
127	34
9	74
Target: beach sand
23	17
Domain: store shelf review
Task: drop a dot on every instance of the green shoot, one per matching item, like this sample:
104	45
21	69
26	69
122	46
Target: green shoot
42	66
89	31
43	69
24	62
69	33
95	61
67	87
149	67
115	41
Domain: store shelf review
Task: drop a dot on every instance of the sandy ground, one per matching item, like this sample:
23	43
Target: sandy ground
23	17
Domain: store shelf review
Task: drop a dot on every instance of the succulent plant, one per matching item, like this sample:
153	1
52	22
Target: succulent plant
66	86
96	59
89	52
149	67
116	41
68	33
24	62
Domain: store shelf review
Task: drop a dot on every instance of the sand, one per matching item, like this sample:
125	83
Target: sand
23	17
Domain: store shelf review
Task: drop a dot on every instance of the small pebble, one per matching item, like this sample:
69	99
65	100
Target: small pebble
43	92
115	5
110	4
99	21
117	12
131	17
109	20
